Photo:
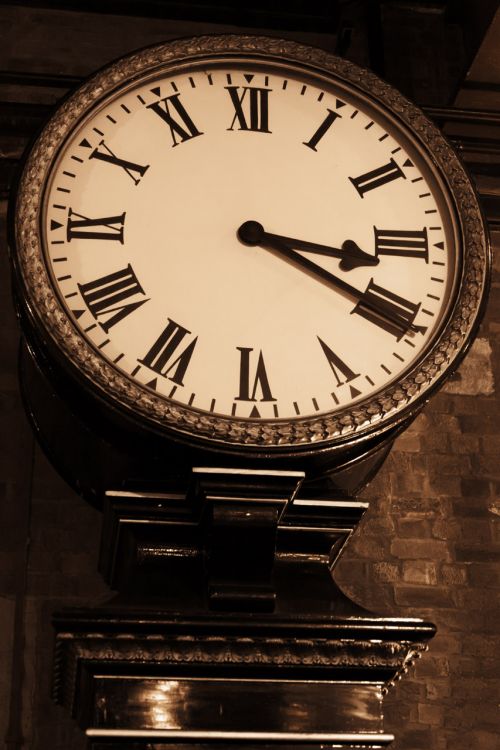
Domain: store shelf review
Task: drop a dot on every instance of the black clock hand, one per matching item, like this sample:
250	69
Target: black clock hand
253	233
381	308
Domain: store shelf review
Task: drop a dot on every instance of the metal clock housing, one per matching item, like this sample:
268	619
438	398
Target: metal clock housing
253	422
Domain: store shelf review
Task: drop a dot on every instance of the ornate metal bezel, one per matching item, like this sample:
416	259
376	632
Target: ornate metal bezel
388	406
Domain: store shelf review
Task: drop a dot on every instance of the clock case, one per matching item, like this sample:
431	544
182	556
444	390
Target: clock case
152	434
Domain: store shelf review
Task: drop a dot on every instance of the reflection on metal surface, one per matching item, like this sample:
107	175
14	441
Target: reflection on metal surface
375	739
186	706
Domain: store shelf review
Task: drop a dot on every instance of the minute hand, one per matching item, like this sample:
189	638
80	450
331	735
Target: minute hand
380	308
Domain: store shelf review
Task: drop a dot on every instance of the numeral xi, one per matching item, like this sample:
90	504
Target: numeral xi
172	111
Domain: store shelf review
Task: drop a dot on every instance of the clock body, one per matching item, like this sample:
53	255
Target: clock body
144	292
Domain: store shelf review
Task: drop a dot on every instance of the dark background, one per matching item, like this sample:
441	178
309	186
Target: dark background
430	544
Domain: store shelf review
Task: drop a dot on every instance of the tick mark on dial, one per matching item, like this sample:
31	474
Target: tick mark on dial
125	108
212	405
104	343
433	296
99	132
395	151
354	114
142	101
228	78
233	410
367	127
417	179
410	343
174	86
58	260
57	242
171	394
435	229
69	174
427	312
439	281
90	328
118	358
61	208
64	278
135	370
210	79
77	158
320	97
369	380
383	137
111	119
275	410
296	407
63	190
315	404
431	211
68	296
191	81
424	195
191	399
386	369
398	356
303	90
285	84
334	396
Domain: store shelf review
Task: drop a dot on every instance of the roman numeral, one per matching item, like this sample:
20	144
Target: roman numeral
166	355
83	228
107	296
251	108
172	111
260	379
323	128
342	372
400	312
134	171
377	177
400	242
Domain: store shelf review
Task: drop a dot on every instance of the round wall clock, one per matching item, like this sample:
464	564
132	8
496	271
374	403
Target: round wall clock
249	244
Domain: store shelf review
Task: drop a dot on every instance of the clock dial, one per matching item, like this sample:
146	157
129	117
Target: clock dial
249	238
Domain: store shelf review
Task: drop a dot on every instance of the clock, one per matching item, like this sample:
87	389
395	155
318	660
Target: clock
248	245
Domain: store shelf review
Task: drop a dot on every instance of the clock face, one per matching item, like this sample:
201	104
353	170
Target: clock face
247	240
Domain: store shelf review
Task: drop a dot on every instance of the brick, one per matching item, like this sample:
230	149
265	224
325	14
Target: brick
431	714
413	528
387	572
474	487
424	596
419	571
454	574
420	549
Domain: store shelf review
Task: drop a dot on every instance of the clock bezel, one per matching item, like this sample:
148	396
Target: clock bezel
379	412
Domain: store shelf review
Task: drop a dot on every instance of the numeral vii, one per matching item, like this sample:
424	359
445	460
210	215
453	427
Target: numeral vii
251	108
400	242
377	177
83	228
172	111
167	356
259	379
106	296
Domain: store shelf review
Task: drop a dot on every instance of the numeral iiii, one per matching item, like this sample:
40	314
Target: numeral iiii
400	312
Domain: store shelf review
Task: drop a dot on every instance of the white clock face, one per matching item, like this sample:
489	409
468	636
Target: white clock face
141	222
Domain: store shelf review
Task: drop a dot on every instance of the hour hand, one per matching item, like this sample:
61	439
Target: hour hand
351	256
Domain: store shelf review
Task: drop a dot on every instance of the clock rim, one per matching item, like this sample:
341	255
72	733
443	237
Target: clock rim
378	413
